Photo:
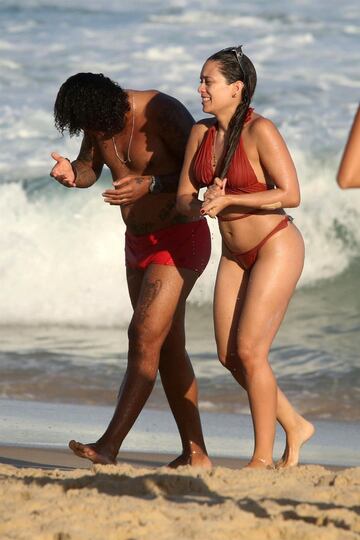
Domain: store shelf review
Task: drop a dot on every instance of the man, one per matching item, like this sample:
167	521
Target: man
141	137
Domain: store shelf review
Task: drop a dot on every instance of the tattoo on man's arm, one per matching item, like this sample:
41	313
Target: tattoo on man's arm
87	149
150	292
83	166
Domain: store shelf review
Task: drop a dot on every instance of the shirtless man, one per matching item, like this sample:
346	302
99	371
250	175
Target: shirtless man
141	137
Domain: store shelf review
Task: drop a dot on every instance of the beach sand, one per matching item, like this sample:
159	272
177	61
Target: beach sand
45	495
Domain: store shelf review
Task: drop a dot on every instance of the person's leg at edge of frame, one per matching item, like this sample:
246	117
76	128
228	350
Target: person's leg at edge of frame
163	288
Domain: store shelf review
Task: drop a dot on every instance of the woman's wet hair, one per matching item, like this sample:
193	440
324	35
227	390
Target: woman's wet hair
236	66
90	101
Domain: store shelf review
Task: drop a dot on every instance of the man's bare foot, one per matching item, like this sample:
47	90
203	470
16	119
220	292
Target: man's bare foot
195	459
259	463
93	451
295	438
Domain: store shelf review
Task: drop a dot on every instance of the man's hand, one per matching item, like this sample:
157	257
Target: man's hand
127	190
63	171
215	190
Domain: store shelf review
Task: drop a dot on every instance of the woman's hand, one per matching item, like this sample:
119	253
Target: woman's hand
217	189
214	206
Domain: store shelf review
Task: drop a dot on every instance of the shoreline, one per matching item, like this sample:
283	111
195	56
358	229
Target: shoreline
64	459
47	458
39	425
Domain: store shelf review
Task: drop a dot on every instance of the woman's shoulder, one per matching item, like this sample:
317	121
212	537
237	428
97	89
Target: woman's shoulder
204	124
260	126
201	127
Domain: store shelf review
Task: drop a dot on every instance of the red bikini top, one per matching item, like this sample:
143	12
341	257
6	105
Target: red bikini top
241	177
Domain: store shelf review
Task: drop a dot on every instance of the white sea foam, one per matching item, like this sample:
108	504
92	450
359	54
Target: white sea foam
62	253
62	250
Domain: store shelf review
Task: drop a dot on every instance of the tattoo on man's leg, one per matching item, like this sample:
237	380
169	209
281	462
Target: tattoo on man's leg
150	292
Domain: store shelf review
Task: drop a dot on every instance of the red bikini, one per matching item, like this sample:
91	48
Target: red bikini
241	178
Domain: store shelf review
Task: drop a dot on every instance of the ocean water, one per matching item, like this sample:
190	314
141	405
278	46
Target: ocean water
62	327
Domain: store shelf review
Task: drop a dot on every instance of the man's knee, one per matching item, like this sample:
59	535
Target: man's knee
143	337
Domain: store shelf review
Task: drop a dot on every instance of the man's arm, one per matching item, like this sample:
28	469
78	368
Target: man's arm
88	165
84	171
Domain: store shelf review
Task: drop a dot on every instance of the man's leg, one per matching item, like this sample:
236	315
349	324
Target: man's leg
163	288
181	390
178	379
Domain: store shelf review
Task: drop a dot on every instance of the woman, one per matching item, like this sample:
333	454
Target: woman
349	171
240	157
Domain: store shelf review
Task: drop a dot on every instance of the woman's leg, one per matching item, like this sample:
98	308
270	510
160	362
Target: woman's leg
230	295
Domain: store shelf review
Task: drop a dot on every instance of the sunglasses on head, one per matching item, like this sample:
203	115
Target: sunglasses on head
239	54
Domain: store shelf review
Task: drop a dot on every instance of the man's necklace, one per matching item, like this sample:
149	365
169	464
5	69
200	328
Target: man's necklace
128	159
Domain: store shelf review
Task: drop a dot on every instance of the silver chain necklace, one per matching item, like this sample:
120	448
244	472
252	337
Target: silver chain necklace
128	158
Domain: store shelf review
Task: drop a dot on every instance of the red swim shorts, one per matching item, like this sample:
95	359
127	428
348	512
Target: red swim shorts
185	245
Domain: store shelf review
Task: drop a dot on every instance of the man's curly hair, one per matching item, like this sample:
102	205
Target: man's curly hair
90	101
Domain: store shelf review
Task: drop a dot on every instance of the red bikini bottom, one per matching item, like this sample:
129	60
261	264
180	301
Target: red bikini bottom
247	259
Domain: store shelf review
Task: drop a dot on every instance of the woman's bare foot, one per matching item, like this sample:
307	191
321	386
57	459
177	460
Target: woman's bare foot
259	463
295	438
94	452
195	459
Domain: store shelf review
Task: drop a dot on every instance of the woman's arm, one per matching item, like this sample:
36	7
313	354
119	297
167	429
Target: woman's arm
187	202
277	164
348	175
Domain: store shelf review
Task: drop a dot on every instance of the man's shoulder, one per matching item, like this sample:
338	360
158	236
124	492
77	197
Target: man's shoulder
162	108
156	98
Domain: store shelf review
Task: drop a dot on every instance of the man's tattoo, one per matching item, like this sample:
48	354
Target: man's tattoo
150	291
139	179
166	210
180	218
141	228
87	149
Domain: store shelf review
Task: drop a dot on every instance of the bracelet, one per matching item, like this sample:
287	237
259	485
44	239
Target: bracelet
155	185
